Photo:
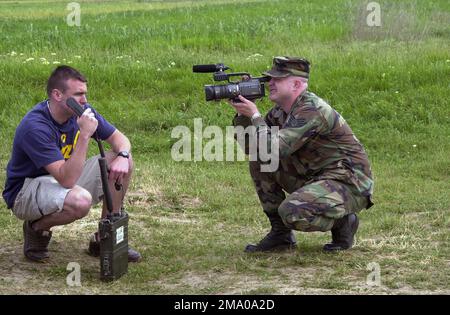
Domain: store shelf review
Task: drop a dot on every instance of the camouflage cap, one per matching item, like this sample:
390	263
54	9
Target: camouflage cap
286	66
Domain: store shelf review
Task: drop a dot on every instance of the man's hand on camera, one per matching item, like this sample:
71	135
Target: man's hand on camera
244	106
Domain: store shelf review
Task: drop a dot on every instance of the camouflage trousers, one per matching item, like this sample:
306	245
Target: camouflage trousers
311	205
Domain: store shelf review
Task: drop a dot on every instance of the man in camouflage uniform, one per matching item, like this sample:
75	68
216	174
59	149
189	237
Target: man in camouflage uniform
322	165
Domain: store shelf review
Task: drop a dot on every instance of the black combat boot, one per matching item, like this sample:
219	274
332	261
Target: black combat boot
280	237
343	233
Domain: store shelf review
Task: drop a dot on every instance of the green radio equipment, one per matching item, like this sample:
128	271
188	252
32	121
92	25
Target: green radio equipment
112	230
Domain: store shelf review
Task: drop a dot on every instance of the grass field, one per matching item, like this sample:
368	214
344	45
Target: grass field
191	220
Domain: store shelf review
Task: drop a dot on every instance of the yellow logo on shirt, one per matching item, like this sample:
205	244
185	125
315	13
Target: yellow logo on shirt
67	150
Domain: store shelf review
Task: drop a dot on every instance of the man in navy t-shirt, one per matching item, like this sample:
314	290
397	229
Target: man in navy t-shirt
49	182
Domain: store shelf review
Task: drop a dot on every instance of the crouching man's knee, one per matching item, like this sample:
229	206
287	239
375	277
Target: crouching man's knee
78	202
301	216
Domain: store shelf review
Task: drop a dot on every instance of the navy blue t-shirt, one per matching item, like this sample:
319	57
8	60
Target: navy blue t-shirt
40	141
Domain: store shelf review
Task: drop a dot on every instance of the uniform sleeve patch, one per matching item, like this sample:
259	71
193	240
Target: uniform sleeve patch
296	122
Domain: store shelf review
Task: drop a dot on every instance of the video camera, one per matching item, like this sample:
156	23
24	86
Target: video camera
251	88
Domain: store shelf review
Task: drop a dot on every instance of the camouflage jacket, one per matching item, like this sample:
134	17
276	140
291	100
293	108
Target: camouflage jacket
316	142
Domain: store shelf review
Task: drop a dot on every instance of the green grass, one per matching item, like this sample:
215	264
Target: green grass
191	220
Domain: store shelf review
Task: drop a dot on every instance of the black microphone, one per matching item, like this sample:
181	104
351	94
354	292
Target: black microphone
73	104
209	68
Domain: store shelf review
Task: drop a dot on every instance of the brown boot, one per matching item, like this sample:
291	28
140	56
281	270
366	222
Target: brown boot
35	245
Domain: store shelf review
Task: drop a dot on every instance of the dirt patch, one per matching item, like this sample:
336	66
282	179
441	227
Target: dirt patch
20	276
68	244
176	220
404	290
292	281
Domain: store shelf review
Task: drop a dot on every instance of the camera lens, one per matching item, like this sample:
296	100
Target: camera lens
229	91
217	92
210	93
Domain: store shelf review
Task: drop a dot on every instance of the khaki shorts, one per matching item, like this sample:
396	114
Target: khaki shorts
43	195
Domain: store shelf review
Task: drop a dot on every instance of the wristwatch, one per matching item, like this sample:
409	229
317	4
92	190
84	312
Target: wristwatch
124	154
254	116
